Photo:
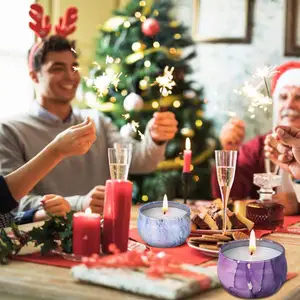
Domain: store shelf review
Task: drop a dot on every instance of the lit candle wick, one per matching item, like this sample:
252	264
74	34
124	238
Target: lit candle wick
165	205
252	243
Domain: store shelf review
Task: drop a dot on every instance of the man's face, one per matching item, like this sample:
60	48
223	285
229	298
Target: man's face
57	79
289	106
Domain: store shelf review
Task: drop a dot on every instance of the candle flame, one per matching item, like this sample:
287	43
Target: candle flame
188	144
252	242
165	204
88	211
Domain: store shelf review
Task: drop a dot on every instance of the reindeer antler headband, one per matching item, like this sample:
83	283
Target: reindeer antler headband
42	27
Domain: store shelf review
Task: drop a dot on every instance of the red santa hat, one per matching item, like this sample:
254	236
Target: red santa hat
287	74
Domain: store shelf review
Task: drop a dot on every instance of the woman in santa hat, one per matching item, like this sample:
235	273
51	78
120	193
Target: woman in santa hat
251	158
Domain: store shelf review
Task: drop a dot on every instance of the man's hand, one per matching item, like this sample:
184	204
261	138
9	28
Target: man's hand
163	126
95	199
283	148
56	205
232	134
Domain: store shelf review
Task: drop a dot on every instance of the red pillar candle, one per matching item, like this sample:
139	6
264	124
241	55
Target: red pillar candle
117	207
86	233
187	156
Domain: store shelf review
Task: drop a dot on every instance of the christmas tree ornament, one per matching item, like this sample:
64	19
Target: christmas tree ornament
150	27
133	102
127	131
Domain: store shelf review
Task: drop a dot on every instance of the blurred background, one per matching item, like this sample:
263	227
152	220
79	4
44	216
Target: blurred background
214	46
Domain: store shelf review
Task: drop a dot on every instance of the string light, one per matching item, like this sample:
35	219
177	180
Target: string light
156	13
142	19
145	198
173	51
199	123
196	178
147	64
174	24
156	44
136	46
177	36
138	14
142	3
143	84
155	104
124	93
113	99
176	103
127	24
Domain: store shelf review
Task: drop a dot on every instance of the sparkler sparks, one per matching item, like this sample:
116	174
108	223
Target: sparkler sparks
134	125
165	82
76	69
265	72
109	78
126	116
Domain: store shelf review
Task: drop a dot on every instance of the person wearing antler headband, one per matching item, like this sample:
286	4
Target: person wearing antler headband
79	180
286	111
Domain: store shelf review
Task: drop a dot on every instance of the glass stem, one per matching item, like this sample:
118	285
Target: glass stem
225	196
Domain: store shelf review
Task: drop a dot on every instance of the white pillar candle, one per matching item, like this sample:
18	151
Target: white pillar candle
157	213
243	254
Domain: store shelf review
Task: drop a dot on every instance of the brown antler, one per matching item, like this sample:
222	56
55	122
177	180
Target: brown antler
66	25
41	25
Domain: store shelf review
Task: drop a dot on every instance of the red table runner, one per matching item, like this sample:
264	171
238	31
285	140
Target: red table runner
186	254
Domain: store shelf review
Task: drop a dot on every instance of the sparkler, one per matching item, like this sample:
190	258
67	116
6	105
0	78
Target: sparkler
165	82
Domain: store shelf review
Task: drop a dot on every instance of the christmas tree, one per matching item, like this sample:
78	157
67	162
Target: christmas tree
138	44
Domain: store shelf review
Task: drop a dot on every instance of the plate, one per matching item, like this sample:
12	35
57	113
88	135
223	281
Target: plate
213	253
208	231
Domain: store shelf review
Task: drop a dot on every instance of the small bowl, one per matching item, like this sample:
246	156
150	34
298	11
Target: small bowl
164	233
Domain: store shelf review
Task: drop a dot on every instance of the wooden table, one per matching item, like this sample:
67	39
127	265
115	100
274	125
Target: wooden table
22	280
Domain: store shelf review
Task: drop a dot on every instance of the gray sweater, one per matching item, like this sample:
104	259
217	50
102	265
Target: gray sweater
23	136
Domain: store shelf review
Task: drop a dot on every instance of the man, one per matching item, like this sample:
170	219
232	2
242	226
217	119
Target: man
251	158
80	180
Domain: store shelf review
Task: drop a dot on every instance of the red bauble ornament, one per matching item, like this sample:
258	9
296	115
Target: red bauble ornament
150	27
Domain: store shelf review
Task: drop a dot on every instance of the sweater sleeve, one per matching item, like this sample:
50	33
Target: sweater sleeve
8	203
146	154
249	161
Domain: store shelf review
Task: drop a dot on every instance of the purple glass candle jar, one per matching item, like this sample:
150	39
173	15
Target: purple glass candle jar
164	230
256	276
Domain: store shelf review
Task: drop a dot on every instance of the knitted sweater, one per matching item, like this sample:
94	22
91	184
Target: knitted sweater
24	136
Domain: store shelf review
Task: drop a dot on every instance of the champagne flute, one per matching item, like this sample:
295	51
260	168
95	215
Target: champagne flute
225	164
119	162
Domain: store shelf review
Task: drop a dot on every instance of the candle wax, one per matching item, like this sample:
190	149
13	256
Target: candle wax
243	254
187	158
157	213
86	233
